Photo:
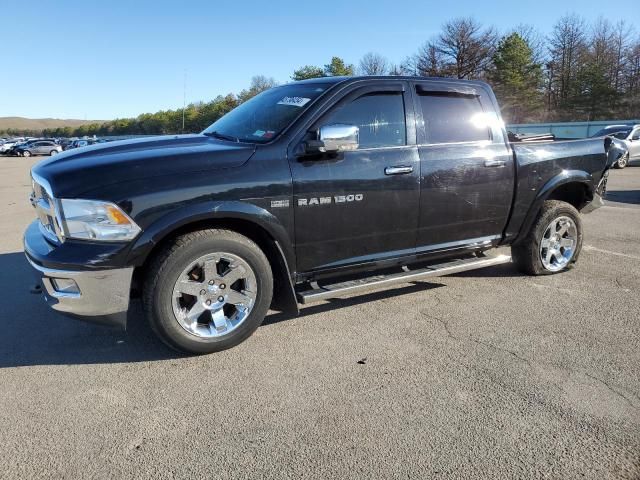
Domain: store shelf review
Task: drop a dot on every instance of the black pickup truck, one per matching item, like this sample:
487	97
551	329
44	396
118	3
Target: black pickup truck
310	190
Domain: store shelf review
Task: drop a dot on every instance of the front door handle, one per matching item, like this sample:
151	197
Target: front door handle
495	163
397	170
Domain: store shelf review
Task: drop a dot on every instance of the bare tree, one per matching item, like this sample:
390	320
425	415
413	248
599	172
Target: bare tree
259	83
429	61
536	41
373	64
632	67
402	68
621	45
464	47
567	46
601	41
630	79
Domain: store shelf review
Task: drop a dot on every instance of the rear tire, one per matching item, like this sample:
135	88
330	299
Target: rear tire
553	243
26	153
189	305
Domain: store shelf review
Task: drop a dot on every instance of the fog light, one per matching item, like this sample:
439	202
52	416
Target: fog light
65	285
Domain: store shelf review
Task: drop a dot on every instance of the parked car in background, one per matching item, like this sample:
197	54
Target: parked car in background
21	146
6	146
629	135
65	142
83	142
10	143
41	147
22	143
12	149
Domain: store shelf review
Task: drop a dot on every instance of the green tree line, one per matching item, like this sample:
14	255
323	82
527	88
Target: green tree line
578	72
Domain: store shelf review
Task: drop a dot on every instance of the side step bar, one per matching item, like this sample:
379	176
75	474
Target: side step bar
353	286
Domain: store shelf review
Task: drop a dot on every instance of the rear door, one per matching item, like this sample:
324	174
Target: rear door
360	206
467	168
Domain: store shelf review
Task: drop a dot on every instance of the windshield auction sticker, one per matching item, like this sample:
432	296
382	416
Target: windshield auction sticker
294	101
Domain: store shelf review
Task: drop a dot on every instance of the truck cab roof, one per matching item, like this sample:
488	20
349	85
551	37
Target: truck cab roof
356	78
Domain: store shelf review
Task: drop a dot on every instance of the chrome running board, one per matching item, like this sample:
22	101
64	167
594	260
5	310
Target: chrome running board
320	292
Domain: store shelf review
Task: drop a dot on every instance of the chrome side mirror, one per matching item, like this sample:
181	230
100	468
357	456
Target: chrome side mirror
333	138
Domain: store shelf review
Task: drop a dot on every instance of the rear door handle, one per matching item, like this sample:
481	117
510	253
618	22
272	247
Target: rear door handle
397	170
495	163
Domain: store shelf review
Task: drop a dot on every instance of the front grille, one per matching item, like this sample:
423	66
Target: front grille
45	210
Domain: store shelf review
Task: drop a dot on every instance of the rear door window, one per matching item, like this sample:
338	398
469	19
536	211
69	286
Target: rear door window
453	118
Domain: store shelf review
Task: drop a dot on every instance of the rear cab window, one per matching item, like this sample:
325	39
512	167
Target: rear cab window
450	116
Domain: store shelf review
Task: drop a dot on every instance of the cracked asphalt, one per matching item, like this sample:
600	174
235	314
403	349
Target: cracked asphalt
486	374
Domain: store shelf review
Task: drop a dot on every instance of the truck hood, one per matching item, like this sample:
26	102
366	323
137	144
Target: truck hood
74	172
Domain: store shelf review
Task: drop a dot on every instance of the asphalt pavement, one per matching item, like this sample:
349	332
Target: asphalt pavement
486	374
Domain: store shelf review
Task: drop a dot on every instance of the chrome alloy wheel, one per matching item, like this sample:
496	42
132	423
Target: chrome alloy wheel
558	244
214	295
623	161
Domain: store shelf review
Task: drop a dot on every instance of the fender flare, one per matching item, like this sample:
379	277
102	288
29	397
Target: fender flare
563	178
155	233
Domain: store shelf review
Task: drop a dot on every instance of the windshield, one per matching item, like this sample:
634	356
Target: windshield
620	132
263	117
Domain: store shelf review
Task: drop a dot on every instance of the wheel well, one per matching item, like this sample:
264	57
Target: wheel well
283	295
574	193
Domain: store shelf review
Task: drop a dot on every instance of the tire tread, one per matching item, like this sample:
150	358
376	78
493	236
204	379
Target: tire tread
159	265
525	253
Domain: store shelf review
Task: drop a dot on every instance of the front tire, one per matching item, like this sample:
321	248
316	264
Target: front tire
53	152
622	162
26	153
553	243
207	291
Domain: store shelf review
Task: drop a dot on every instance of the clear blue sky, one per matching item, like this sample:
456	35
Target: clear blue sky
106	59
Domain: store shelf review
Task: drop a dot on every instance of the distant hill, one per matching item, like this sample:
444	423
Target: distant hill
20	123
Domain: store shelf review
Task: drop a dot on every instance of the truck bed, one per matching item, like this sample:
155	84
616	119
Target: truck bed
544	162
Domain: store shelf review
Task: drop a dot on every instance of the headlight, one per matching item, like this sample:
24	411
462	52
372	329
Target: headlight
96	220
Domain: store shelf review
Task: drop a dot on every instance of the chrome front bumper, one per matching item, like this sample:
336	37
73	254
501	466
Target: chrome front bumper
99	296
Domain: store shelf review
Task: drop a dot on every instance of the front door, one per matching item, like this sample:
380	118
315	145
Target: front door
360	206
43	148
634	143
467	167
38	148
